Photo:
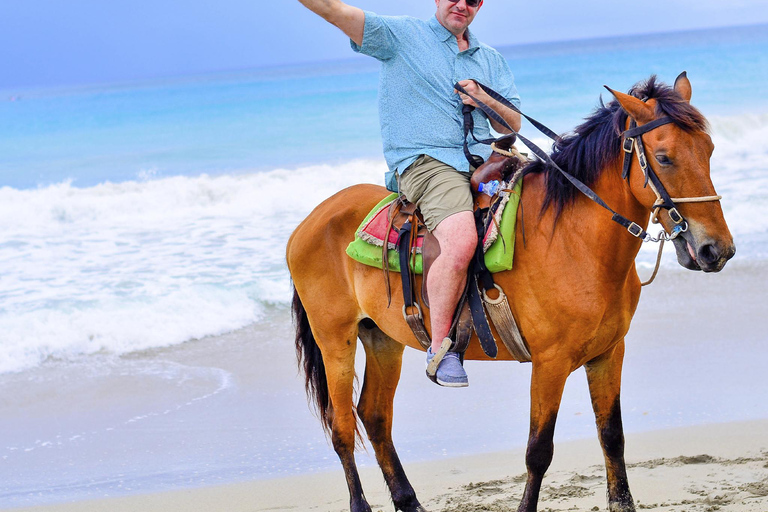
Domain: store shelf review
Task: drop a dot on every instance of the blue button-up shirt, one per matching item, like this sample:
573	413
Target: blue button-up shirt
419	111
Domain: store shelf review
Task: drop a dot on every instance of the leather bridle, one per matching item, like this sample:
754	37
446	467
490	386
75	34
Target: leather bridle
631	140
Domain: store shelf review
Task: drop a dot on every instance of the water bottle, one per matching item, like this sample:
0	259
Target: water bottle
490	188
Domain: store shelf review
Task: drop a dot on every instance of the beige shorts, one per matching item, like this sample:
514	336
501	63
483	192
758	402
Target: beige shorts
438	189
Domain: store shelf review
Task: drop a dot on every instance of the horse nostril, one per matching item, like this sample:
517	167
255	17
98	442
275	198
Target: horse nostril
709	253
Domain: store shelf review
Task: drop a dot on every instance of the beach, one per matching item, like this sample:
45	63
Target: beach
693	400
705	468
147	358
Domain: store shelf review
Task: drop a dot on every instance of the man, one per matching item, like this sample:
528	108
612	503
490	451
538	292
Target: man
422	131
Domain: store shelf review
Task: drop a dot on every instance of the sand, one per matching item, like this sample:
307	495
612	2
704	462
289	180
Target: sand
704	468
693	401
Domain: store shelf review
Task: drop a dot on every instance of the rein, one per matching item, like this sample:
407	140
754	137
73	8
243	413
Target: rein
634	229
631	140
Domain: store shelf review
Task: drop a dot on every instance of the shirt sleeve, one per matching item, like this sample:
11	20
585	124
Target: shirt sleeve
378	39
506	81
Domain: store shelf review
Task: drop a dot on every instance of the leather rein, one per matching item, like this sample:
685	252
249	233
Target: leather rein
631	140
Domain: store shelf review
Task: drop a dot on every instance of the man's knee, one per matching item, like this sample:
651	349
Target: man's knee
458	238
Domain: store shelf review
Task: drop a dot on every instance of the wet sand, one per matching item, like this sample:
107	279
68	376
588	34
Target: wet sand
705	468
695	415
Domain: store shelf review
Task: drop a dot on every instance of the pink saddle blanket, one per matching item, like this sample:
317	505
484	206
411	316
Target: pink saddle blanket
375	231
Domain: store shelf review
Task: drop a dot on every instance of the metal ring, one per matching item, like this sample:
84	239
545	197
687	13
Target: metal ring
414	305
491	301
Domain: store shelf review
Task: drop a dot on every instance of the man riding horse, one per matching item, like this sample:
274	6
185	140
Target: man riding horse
422	132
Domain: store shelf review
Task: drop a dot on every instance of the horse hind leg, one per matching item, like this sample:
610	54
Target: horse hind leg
604	377
383	361
327	351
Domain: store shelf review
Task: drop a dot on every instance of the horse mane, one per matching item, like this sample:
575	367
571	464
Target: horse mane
595	145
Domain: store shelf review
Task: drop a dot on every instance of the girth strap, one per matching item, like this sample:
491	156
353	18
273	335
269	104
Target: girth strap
479	275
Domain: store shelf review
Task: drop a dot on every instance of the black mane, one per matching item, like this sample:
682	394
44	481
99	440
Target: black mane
595	144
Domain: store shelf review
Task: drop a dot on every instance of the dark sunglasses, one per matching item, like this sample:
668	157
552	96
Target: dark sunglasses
470	3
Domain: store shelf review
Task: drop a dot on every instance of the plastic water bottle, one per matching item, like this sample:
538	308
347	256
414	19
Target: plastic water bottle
489	188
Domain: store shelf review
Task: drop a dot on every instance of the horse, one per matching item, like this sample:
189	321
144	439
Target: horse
574	282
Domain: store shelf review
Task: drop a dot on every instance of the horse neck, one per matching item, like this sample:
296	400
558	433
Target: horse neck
589	225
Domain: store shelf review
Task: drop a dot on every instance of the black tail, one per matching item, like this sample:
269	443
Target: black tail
311	360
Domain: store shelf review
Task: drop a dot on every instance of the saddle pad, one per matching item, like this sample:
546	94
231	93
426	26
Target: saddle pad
374	231
499	244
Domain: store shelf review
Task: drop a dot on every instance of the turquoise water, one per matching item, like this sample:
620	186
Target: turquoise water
327	113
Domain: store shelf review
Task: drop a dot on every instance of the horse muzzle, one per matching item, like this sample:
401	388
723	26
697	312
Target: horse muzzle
709	255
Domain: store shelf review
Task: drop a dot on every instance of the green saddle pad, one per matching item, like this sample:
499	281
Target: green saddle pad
498	257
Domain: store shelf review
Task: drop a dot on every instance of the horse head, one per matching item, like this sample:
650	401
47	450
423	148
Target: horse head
666	138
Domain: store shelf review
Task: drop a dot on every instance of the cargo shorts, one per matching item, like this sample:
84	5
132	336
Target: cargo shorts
437	189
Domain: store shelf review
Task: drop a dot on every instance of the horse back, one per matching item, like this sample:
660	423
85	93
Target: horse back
315	252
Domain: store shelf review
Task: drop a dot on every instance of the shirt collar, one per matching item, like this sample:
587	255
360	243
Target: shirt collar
443	34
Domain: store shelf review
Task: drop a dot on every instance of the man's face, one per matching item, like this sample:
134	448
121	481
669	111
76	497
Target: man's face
456	16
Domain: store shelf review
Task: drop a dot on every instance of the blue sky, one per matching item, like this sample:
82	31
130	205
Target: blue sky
67	42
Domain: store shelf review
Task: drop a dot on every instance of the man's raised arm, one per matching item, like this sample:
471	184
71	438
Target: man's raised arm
351	20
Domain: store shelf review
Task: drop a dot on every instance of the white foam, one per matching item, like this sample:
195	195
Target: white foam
123	267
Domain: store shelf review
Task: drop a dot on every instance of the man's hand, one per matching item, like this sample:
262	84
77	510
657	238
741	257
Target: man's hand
509	115
472	88
351	20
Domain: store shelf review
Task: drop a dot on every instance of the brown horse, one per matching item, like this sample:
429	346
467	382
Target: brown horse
573	289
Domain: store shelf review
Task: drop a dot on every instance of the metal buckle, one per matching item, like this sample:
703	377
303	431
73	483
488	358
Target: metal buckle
628	147
634	230
415	305
643	162
675	215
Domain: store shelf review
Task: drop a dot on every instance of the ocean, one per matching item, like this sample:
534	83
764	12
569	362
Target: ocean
144	297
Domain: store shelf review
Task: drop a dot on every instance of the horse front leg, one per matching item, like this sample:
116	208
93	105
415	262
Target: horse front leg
383	361
604	376
547	383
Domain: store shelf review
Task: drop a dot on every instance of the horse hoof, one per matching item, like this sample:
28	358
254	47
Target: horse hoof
621	507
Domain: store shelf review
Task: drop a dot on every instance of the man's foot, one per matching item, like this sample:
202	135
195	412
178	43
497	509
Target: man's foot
450	372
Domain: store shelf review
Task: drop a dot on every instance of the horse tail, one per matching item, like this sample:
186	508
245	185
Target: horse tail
310	359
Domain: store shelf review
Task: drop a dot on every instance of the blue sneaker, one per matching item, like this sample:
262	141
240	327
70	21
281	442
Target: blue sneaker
449	372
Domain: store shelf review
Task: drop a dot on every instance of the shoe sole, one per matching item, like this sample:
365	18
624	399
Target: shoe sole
452	384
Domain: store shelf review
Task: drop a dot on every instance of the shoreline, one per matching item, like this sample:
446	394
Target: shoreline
125	429
208	413
711	467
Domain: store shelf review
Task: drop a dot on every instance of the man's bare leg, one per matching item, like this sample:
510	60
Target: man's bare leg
448	274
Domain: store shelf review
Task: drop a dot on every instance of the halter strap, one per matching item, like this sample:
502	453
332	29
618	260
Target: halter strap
633	141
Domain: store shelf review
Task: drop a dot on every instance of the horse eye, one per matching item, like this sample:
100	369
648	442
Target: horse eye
663	160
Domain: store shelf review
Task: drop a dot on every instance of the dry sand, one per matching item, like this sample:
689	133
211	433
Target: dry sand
721	467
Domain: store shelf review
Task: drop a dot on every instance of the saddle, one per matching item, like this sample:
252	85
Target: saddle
481	294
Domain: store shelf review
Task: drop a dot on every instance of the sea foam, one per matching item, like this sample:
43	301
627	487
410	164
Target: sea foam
121	267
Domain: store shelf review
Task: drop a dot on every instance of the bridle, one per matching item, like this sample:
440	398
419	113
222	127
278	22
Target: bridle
632	141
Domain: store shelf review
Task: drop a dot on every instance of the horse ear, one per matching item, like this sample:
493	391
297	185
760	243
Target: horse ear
683	86
637	109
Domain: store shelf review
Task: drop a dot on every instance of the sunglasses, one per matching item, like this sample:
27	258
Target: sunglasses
470	3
